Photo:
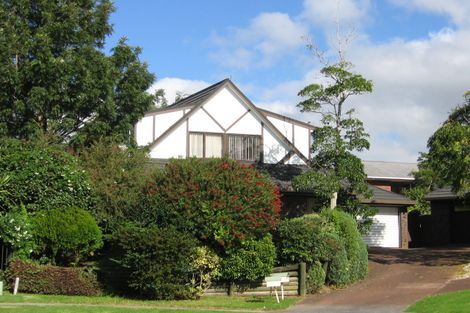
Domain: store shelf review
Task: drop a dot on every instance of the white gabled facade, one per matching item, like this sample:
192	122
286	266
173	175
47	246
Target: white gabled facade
221	118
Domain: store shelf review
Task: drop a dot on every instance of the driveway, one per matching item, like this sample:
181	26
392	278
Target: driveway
397	278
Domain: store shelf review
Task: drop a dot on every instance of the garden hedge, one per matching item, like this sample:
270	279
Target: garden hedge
48	279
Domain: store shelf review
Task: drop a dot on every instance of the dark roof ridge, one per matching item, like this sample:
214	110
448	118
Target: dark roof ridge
195	96
198	93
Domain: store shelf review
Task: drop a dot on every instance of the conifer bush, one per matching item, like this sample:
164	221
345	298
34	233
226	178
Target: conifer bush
66	235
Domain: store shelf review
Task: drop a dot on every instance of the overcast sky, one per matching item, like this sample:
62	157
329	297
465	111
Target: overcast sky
416	52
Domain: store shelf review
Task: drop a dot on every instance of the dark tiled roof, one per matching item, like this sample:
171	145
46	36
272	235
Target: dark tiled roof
196	98
441	194
383	169
283	174
380	196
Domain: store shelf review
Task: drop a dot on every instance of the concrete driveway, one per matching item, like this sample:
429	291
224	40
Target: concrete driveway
397	278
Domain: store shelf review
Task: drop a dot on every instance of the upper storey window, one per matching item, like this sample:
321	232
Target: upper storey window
244	147
236	147
203	145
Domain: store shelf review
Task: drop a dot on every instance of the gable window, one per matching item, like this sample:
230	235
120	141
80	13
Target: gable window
202	145
244	147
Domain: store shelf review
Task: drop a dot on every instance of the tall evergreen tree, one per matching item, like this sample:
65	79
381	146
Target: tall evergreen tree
337	174
56	79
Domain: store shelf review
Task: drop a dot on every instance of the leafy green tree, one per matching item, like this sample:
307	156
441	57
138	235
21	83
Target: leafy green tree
160	99
337	174
56	79
425	178
449	150
118	177
41	177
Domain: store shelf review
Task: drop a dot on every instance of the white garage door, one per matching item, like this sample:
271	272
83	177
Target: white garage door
385	231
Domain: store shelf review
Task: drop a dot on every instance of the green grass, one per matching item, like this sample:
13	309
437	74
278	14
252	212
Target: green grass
454	302
214	302
81	309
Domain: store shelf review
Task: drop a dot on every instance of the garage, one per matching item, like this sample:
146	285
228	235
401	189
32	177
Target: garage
390	224
447	223
385	230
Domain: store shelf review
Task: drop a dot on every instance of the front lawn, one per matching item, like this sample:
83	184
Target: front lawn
88	309
454	302
214	302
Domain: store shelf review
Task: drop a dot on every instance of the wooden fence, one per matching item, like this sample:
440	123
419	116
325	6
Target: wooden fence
295	287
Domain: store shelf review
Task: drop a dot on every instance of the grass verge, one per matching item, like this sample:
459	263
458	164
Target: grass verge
453	302
19	308
214	302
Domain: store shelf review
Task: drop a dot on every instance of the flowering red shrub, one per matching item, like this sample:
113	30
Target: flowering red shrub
220	201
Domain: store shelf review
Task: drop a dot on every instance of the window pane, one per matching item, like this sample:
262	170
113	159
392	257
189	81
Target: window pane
244	148
213	146
196	145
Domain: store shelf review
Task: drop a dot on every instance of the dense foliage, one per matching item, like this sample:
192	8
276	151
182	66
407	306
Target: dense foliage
48	279
316	277
219	201
449	150
157	261
330	239
252	261
201	220
16	232
425	179
118	176
66	235
352	265
41	177
57	80
446	163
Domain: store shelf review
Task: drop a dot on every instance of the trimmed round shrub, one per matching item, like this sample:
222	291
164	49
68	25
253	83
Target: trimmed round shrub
330	238
220	201
252	261
66	235
315	277
339	270
352	264
41	177
307	239
53	280
299	238
157	262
